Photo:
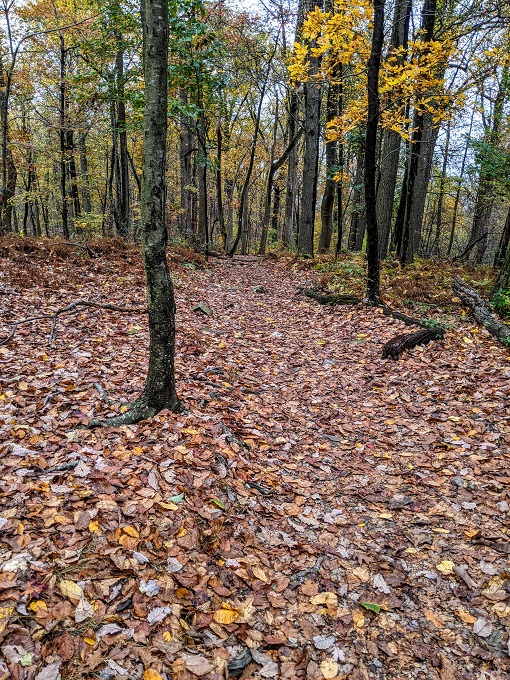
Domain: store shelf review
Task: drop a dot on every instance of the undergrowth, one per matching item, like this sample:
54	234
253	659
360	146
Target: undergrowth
423	286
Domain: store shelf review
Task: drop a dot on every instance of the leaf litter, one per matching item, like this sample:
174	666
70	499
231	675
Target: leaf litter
317	512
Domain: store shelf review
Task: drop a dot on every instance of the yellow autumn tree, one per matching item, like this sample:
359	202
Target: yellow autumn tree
410	78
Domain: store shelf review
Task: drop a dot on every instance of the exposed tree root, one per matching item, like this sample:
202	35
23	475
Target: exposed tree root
71	308
396	346
481	311
137	411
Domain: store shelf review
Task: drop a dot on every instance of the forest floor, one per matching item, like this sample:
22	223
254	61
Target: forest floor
317	511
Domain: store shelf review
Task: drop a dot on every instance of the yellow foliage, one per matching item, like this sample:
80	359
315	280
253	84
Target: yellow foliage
412	76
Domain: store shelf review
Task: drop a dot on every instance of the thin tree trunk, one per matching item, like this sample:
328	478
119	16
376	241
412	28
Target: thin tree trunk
159	391
203	226
73	178
84	173
219	184
244	193
292	166
425	161
123	211
503	242
186	176
311	124
273	169
420	145
330	191
62	134
390	143
486	180
459	185
374	62
358	203
276	208
439	223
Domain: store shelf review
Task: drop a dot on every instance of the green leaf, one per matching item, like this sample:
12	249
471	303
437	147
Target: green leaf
217	502
177	499
371	607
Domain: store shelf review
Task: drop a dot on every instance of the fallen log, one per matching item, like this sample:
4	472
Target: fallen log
481	311
397	345
330	298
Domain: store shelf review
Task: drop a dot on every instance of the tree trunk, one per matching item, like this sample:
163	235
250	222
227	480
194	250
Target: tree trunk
358	205
486	180
421	150
84	173
273	169
159	391
62	135
186	175
203	223
73	175
291	188
459	184
219	184
242	227
374	62
419	197
390	145
503	243
328	199
123	211
10	190
311	124
436	247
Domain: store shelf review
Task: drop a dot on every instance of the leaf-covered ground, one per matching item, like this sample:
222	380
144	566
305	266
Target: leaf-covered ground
318	511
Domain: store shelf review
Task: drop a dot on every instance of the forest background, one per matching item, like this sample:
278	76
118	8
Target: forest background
267	136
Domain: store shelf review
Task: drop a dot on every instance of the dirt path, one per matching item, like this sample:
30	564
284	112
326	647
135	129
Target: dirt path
337	514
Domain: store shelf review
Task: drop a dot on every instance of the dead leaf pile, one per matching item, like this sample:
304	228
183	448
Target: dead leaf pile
318	511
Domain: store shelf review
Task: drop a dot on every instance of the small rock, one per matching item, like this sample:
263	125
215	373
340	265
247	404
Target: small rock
203	308
259	289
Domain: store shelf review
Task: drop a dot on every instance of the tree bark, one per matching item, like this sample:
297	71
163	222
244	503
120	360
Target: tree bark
374	62
354	243
436	247
390	144
328	199
481	311
487	178
159	391
291	187
421	150
186	175
62	135
273	169
123	210
459	184
219	184
84	173
311	124
503	243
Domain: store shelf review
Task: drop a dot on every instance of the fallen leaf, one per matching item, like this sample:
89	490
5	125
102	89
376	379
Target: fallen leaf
151	674
197	664
225	616
482	627
329	668
71	590
445	567
84	610
325	598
